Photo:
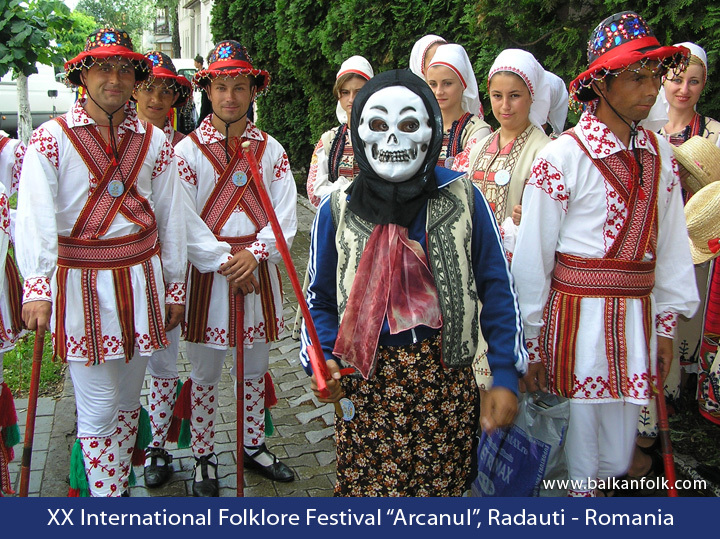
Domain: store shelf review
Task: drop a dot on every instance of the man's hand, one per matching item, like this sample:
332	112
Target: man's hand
174	315
36	314
239	272
517	214
535	379
498	408
336	390
664	357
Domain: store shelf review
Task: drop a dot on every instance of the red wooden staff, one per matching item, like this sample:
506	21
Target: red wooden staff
314	351
240	390
32	409
664	433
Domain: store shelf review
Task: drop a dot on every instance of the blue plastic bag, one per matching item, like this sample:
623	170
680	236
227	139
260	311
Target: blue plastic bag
510	463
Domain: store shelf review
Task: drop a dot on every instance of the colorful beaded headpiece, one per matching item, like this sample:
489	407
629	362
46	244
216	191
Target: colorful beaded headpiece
619	41
101	45
164	70
230	59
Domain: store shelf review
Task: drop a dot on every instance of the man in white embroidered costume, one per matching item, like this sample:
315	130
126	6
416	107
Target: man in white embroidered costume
98	198
215	174
602	263
154	99
11	155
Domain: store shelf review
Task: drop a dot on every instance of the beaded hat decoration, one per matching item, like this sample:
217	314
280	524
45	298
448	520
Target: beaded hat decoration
101	45
616	43
164	70
230	59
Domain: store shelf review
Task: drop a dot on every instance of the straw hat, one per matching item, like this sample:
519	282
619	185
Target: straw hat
702	214
701	158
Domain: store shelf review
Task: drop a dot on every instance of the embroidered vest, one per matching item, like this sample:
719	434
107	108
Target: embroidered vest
449	231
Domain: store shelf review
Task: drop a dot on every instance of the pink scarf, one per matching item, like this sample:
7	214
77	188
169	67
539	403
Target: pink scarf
393	281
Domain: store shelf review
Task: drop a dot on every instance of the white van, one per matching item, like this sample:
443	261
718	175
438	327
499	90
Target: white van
48	98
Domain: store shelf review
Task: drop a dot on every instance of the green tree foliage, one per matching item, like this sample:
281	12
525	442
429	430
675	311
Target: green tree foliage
303	42
71	39
133	16
283	107
26	33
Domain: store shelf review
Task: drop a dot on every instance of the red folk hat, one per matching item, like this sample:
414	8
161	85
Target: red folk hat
618	42
230	59
107	43
165	70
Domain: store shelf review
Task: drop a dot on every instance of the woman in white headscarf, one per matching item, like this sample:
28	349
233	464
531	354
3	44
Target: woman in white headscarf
450	76
681	92
333	166
500	164
558	103
422	52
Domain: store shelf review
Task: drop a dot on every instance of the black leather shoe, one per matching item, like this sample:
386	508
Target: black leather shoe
156	475
277	471
207	486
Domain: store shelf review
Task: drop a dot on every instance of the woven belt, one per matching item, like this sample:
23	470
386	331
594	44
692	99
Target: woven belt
603	277
238	243
114	253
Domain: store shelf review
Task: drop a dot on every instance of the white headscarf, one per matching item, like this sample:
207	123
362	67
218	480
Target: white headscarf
558	102
357	65
699	52
658	116
524	65
454	57
419	50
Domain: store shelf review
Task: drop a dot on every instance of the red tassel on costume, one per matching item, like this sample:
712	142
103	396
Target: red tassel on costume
181	411
270	396
73	493
714	244
182	408
8	416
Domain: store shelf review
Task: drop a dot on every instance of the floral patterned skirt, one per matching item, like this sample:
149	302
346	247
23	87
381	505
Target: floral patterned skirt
413	430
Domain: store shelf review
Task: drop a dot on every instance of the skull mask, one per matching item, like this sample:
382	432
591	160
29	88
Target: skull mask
395	130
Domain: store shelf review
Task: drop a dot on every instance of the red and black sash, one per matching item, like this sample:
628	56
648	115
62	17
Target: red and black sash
94	220
221	203
226	196
101	208
624	264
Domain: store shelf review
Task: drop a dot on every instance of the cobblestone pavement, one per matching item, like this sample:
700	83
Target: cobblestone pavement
303	436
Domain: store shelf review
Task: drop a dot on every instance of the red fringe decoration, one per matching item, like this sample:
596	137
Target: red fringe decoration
8	416
174	429
270	396
73	493
182	408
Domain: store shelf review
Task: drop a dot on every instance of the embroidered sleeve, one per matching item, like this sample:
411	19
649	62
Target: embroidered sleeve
164	157
549	179
313	175
676	174
46	144
17	167
175	293
187	174
37	288
461	163
281	167
533	350
259	251
4	214
666	323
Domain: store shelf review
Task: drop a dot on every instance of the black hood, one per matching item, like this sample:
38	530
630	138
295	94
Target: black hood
380	201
